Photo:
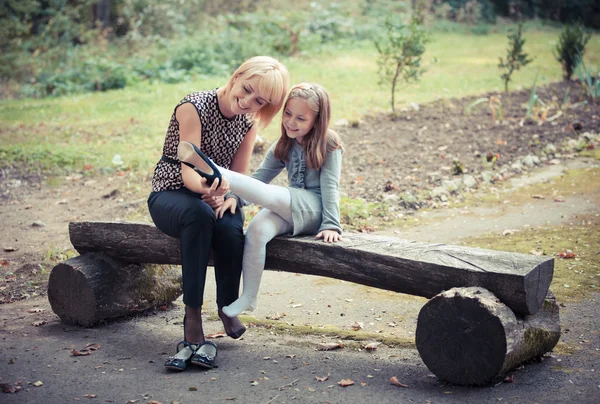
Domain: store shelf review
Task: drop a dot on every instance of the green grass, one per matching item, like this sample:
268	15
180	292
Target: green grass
90	129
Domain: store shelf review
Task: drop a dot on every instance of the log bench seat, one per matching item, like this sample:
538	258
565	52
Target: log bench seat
488	311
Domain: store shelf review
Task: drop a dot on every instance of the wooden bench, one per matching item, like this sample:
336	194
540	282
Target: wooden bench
488	310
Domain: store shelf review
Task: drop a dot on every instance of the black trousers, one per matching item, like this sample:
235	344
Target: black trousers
182	214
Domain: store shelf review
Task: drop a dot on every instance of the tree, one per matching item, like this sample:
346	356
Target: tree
515	57
400	51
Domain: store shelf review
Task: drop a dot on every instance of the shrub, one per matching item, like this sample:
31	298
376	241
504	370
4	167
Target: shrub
515	57
400	51
571	45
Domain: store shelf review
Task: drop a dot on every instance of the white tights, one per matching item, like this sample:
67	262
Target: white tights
273	220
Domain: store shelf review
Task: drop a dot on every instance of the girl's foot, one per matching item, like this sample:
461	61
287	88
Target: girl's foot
233	326
243	303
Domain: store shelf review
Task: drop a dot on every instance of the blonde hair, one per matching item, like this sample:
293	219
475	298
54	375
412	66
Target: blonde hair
320	139
273	84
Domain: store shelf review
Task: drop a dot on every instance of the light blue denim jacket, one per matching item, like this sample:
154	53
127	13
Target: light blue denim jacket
319	210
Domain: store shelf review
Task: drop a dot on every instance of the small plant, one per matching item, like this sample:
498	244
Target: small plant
457	167
400	52
515	57
590	82
570	48
494	104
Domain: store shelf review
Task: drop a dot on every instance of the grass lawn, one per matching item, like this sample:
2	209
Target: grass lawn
88	130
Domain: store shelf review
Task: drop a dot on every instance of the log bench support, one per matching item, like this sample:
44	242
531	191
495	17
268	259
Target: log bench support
488	310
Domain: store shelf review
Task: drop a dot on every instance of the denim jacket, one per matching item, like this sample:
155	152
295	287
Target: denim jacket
323	182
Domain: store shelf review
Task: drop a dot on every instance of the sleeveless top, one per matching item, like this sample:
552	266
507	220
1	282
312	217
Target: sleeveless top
221	138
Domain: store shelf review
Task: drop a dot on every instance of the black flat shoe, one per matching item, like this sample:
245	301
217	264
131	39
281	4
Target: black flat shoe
183	356
190	155
205	355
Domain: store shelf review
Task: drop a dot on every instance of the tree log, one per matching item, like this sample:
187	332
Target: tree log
521	281
467	336
95	287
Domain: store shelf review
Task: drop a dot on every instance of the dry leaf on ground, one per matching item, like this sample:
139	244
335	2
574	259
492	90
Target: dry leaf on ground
372	346
394	380
328	346
322	379
87	350
345	382
216	335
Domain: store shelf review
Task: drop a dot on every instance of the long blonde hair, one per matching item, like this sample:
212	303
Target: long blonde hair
273	84
320	139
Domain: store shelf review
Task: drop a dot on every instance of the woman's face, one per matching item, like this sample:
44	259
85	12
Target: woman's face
244	97
298	119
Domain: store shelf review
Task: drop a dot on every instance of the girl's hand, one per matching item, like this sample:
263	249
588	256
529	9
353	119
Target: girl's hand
213	201
230	204
329	236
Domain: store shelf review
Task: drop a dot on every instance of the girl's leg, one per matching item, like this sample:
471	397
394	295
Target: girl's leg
261	230
275	198
183	215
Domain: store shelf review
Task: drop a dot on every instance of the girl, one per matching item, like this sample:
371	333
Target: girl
221	123
312	155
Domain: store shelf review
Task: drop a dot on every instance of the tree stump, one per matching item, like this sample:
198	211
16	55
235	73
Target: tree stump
94	287
468	337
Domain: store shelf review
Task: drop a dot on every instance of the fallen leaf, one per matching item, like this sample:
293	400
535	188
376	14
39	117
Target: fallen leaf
10	388
356	326
290	356
345	382
90	395
372	346
567	254
509	379
253	383
38	383
87	350
394	380
216	335
192	389
363	384
328	346
508	232
322	379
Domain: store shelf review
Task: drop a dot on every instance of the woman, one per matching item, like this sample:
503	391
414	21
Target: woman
222	123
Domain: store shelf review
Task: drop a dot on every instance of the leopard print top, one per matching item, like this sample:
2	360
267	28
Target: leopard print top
221	138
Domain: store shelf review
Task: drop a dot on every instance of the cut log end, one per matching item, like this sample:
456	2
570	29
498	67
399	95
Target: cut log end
95	287
70	294
468	337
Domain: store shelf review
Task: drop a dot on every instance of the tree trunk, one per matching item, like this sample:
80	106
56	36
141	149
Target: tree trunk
94	287
467	336
520	281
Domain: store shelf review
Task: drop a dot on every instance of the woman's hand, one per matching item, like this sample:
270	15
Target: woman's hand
230	204
213	201
213	190
329	236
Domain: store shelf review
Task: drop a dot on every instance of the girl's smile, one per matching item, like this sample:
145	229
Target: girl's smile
298	119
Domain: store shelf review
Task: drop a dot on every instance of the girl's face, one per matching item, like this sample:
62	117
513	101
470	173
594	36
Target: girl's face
298	119
244	97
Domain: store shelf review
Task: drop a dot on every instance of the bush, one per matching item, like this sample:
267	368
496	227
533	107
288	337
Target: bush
400	50
571	47
515	57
